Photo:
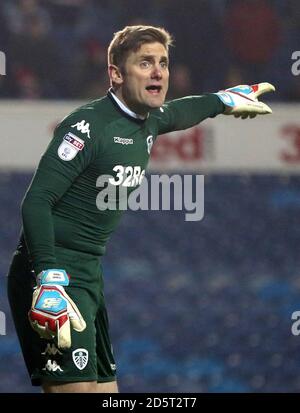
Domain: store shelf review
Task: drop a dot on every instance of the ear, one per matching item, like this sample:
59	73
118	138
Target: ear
115	75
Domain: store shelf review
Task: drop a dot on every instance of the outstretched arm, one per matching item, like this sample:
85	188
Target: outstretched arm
240	101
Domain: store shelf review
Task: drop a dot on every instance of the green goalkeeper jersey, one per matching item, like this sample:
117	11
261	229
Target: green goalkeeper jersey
99	138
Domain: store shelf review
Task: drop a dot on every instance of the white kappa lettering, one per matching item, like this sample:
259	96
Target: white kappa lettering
123	141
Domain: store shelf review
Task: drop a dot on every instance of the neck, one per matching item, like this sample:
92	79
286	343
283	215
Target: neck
126	107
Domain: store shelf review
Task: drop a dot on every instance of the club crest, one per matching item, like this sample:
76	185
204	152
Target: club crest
149	143
80	358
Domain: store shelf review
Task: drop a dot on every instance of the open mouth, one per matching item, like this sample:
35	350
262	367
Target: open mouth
154	89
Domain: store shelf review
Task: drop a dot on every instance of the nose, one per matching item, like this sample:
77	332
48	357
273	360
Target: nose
156	73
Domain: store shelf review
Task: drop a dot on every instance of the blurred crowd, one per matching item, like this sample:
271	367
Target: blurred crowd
56	49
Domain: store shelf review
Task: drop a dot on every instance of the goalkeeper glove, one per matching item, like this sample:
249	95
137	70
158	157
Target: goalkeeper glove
241	101
52	311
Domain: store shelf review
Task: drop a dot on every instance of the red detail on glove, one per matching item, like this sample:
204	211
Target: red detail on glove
254	88
51	288
43	316
239	94
35	315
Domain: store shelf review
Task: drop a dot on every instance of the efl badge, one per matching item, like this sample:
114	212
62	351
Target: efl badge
149	143
69	147
80	358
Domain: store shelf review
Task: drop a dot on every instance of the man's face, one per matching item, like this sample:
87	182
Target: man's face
145	78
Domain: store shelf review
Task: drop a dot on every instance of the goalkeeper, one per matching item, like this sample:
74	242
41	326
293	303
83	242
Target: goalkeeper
55	283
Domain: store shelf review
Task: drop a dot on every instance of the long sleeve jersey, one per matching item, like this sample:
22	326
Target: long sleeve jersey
97	139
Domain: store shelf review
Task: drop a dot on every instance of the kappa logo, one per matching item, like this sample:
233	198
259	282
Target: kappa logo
123	141
80	358
83	127
149	143
52	350
52	366
70	147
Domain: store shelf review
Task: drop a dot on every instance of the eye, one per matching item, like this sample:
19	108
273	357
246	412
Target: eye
164	65
145	64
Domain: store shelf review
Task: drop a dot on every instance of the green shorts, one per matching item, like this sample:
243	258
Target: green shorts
90	358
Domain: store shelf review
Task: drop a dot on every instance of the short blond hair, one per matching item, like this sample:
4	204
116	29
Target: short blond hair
131	38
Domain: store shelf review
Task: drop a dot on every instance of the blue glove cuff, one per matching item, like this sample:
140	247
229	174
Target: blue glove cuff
53	277
225	98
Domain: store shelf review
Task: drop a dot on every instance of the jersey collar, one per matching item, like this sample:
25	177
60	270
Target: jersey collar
124	109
